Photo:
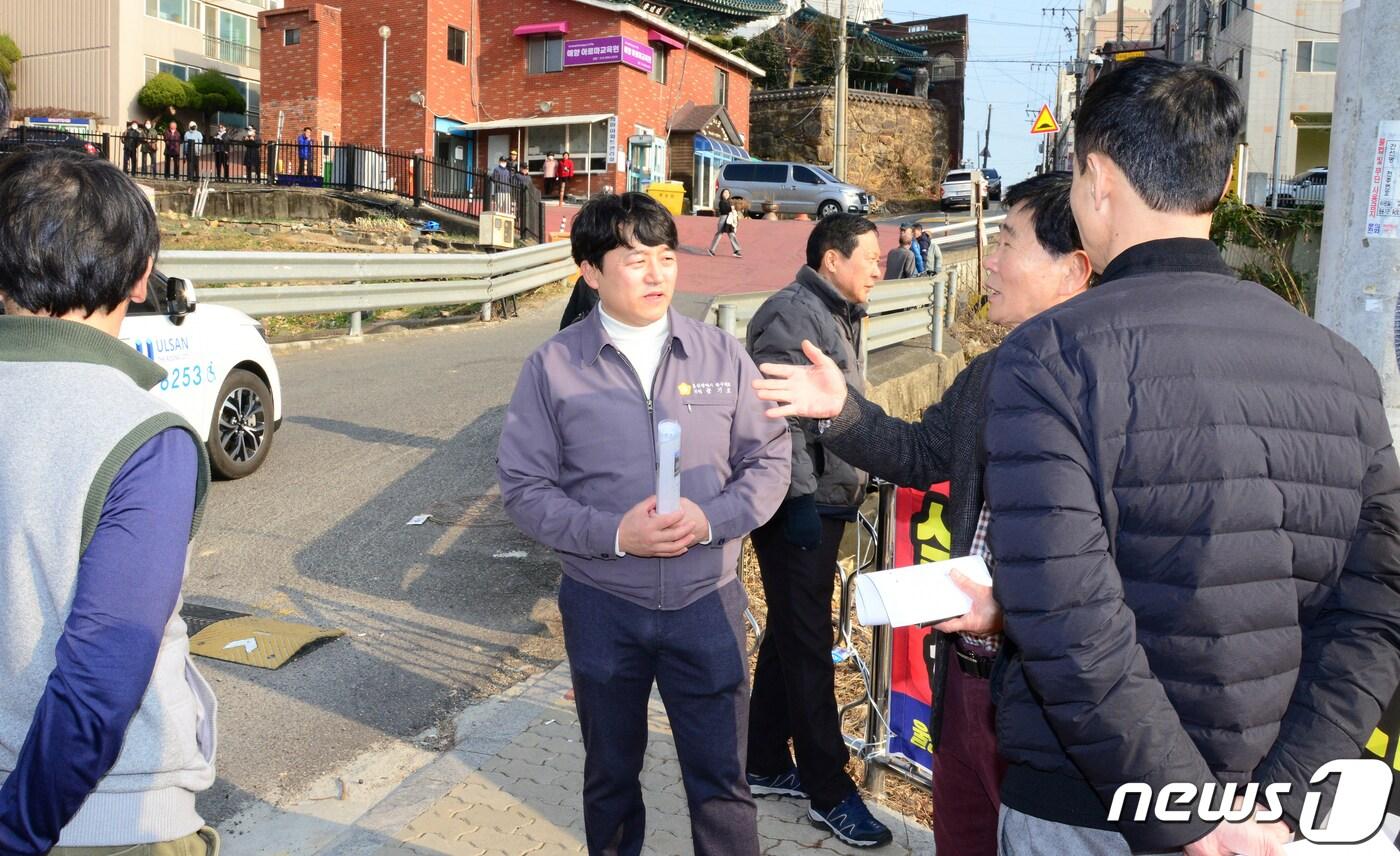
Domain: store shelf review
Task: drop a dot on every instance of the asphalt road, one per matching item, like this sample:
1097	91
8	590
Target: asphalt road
374	434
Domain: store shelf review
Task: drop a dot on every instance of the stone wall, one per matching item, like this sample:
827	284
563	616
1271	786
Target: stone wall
897	147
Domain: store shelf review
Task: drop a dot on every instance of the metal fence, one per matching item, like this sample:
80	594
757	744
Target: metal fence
410	176
365	281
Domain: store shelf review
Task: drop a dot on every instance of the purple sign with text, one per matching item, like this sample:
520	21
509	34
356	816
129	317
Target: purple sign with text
608	49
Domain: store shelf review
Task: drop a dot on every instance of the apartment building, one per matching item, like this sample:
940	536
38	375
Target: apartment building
1247	39
93	56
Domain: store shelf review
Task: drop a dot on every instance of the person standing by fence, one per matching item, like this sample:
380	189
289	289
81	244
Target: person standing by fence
149	138
933	256
173	142
304	152
252	156
502	181
194	143
221	153
727	225
566	172
551	174
900	263
131	141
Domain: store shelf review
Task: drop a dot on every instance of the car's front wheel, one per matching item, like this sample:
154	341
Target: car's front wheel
827	209
241	434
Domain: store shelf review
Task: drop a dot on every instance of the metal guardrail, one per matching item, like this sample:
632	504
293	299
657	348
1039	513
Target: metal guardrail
412	281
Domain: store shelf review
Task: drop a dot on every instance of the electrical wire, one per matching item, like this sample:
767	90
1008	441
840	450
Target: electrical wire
1282	21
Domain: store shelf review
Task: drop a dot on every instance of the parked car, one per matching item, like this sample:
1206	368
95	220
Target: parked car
38	138
222	377
798	188
993	184
957	189
1306	189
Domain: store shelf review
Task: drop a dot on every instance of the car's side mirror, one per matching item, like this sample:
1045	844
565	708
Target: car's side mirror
179	298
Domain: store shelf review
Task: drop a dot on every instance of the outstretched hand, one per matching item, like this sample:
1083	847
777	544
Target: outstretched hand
816	391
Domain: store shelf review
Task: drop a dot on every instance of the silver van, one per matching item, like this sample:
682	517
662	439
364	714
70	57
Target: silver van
798	188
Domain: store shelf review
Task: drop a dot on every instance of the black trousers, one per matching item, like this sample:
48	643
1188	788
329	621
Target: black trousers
794	683
221	166
172	161
129	161
695	656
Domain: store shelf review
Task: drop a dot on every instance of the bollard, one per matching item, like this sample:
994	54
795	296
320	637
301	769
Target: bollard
728	317
940	302
486	311
356	318
952	296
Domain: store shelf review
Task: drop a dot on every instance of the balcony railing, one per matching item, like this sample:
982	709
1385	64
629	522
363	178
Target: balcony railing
231	52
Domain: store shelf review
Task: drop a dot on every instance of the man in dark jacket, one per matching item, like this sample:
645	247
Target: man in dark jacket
131	142
901	263
1038	263
794	694
1195	508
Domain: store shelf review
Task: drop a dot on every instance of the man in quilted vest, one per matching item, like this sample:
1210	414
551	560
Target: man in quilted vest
106	728
1195	512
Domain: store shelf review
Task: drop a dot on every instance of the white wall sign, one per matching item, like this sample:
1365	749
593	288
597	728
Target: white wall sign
1383	200
612	139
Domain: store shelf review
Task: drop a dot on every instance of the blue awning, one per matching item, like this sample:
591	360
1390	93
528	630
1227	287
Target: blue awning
448	125
719	149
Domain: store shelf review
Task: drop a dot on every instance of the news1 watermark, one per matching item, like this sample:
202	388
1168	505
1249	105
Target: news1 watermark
1363	791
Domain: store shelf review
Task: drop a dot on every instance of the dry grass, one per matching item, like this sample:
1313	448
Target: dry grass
900	795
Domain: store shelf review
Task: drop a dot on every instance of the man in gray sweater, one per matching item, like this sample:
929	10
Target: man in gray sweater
106	728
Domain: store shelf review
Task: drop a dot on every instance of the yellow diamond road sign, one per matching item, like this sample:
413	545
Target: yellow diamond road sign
1045	123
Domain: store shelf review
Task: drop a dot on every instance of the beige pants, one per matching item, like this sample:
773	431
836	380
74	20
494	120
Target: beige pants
205	842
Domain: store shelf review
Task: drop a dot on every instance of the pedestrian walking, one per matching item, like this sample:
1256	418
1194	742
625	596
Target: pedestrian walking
107	729
194	148
173	144
150	137
131	143
727	224
1041	264
502	186
566	172
794	683
1194	507
252	156
649	599
304	144
220	146
900	262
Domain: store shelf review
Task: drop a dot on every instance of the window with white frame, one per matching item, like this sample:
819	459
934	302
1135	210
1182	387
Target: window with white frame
456	45
156	66
574	139
186	12
1317	57
291	36
721	87
544	54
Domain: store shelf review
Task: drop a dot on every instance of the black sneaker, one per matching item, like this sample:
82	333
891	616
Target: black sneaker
853	823
782	785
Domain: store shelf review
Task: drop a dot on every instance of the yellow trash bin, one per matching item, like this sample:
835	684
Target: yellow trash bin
671	194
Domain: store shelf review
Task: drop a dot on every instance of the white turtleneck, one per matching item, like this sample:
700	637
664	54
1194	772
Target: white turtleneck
642	346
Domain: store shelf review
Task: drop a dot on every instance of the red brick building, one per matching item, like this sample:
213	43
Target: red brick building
469	80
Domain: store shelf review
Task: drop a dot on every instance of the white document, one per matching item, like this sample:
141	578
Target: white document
918	594
668	469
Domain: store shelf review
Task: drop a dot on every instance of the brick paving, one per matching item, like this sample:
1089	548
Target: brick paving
522	795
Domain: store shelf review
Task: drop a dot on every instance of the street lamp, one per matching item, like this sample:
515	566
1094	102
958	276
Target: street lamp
384	87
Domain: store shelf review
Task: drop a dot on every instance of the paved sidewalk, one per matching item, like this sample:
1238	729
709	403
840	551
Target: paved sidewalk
513	786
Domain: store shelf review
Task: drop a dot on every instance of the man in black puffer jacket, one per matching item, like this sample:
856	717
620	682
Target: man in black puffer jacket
1194	508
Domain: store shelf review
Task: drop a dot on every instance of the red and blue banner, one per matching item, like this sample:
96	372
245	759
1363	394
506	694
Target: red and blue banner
919	536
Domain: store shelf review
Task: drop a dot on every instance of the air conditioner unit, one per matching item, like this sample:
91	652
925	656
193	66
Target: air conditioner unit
497	230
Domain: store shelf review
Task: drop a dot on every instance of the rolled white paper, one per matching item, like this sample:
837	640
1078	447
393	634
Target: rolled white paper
668	470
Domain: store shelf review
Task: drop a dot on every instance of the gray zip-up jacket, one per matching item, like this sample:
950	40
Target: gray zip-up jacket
578	449
811	308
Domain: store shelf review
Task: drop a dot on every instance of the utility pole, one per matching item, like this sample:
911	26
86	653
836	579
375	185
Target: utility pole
1120	24
1208	42
1357	286
1278	124
986	151
838	167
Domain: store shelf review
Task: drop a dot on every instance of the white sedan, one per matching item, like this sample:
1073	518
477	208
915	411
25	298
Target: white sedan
221	375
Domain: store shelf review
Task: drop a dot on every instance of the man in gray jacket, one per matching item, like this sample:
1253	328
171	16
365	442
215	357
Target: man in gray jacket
647	597
794	694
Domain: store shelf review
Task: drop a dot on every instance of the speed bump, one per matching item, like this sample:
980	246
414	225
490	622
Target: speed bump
263	643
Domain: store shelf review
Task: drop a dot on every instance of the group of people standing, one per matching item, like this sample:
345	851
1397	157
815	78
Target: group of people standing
916	255
143	142
1185	490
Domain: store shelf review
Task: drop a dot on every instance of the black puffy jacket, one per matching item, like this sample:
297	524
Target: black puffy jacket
1195	510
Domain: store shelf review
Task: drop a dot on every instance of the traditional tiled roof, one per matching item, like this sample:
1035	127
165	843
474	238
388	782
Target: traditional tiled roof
711	16
862	33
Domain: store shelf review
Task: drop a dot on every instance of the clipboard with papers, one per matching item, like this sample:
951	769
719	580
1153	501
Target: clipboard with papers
917	594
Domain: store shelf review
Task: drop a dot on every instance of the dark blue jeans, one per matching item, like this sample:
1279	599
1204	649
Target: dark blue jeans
695	656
